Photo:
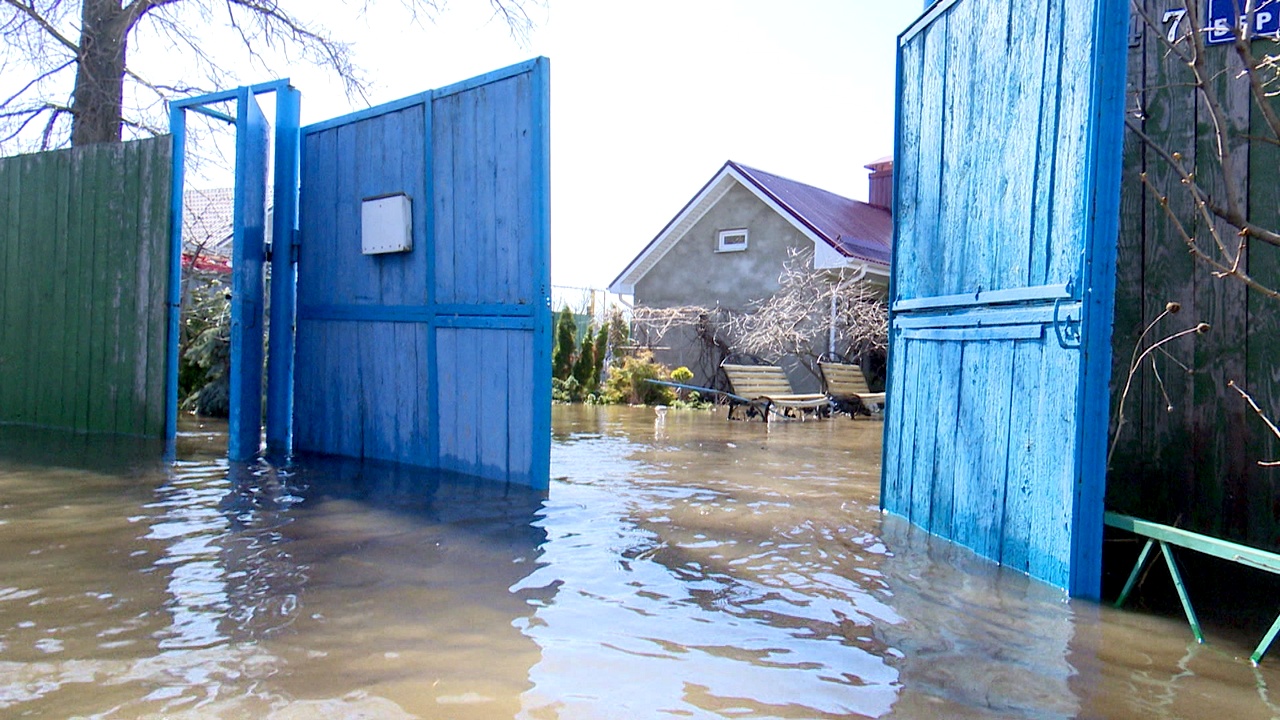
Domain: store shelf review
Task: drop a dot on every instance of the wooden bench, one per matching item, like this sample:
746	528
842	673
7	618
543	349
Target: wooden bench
847	387
1164	536
769	390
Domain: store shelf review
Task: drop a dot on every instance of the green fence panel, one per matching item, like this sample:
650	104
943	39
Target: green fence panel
84	264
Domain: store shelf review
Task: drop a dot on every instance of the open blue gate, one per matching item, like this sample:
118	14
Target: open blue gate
1007	184
423	323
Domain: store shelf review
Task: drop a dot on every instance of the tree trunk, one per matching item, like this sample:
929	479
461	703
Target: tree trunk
98	99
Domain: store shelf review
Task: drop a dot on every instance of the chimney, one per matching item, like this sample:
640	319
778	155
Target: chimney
880	193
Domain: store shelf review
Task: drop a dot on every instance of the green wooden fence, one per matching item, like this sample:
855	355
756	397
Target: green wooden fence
1188	453
84	281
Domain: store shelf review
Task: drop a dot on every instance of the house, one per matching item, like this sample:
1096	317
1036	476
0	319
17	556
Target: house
726	248
207	217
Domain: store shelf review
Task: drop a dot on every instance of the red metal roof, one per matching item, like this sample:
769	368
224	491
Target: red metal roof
853	228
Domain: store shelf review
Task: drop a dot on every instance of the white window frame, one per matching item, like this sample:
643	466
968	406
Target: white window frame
721	247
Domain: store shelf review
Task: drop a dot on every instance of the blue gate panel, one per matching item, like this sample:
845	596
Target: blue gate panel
477	403
1004	167
247	289
440	355
483	194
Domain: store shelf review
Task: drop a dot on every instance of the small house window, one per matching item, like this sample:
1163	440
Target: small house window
732	240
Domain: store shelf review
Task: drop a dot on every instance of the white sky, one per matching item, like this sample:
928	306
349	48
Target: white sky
649	98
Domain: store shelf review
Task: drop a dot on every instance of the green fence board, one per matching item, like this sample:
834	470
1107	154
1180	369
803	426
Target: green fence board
84	259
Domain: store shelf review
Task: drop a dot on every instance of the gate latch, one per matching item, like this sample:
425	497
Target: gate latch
1066	322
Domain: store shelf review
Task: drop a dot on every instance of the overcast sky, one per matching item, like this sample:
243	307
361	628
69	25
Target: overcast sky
649	99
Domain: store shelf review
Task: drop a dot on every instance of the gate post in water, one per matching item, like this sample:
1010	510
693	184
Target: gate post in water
280	338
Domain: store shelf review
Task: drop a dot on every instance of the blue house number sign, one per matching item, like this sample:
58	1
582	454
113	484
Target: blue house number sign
1225	14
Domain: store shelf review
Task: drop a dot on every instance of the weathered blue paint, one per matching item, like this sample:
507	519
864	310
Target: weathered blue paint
283	270
248	253
1006	205
431	357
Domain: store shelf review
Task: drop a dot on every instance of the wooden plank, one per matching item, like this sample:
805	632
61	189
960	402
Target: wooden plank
971	439
444	416
911	118
368	178
128	350
345	237
80	286
1025	435
1018	148
466	236
485	277
44	346
898	489
424	416
926	386
988	142
467	398
117	258
491	441
17	288
503	212
405	359
351	375
8	248
101	401
1054	487
519	411
1042	229
956	198
530	204
943	504
894	422
997	372
443	133
1071	159
156	221
59	407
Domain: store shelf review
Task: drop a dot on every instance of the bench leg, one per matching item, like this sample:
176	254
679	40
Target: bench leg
1266	642
1133	576
1182	592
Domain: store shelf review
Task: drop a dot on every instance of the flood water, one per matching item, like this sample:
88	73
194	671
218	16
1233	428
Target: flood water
683	566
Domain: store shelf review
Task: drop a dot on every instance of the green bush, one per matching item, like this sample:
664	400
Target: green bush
626	383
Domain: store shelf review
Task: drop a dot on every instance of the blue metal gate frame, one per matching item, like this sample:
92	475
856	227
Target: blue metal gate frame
249	254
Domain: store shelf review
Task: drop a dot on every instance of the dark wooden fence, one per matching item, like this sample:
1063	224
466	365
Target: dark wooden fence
1189	450
84	268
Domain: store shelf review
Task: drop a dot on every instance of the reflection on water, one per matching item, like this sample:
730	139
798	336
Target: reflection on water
681	566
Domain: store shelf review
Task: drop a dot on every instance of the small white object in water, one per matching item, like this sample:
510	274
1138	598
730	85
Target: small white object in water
731	445
660	409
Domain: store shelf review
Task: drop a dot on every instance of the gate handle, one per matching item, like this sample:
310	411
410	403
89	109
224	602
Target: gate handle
1067	329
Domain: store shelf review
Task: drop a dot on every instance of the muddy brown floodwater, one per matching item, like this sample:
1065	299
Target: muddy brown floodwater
681	566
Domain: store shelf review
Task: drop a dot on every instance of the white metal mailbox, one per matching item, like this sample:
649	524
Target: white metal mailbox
386	224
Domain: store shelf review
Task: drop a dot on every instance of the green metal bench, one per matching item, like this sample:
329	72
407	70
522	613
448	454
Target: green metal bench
1164	535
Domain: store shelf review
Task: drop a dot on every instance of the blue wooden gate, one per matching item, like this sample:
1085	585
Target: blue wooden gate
436	355
1007	171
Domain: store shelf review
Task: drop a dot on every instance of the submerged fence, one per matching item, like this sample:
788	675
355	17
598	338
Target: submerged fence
84	278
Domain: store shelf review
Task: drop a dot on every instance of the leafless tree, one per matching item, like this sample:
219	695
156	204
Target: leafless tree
811	309
68	76
799	320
